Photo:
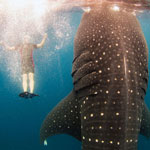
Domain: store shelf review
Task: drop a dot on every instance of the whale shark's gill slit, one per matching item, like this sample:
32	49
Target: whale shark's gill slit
146	70
146	80
80	78
75	59
80	60
72	74
86	87
144	90
83	82
83	71
142	97
82	55
85	91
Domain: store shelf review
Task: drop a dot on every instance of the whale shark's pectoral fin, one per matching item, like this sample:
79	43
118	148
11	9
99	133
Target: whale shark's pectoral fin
64	118
145	123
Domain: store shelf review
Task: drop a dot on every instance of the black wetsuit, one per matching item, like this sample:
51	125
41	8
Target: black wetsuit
26	52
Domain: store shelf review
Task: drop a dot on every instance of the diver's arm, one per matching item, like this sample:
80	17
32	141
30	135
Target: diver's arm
43	41
9	47
6	46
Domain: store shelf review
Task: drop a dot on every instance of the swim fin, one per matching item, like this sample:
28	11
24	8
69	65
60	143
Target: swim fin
24	95
27	95
31	95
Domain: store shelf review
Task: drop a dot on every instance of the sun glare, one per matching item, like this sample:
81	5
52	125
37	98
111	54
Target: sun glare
15	4
38	6
116	8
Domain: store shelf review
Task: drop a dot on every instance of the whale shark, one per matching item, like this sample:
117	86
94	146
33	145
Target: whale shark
106	108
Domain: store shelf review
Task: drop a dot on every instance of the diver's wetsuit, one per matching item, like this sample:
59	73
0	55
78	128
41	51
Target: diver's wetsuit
26	51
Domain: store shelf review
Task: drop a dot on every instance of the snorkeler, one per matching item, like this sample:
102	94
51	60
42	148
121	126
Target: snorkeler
27	64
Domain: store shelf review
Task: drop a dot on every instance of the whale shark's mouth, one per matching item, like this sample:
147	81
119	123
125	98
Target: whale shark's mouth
137	4
133	4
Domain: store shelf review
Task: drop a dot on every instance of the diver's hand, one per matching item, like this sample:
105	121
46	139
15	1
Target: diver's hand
45	35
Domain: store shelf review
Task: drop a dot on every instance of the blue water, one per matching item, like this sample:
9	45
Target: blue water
20	119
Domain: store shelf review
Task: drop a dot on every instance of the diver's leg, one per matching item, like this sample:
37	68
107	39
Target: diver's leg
24	82
31	82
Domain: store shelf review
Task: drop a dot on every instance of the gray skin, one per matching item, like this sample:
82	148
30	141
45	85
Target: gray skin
106	109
